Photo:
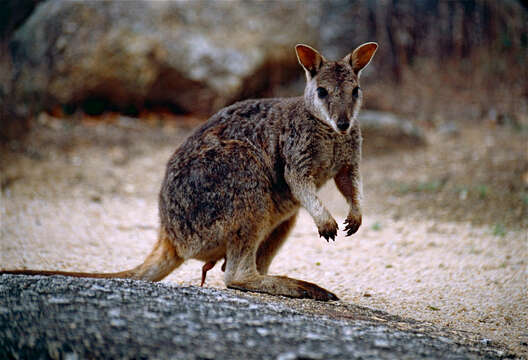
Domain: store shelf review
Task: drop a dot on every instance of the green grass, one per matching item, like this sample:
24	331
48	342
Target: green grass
483	191
429	186
499	230
420	187
524	198
403	188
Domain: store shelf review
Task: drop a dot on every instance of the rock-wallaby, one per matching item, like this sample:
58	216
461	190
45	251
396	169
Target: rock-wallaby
234	188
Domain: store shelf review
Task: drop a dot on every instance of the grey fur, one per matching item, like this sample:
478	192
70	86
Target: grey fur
248	170
233	189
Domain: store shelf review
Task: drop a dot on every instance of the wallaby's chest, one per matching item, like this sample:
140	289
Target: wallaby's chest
330	154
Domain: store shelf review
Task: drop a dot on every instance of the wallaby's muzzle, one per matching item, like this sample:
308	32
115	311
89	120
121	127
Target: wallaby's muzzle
343	123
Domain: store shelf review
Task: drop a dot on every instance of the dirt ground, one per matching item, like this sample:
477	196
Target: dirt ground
444	237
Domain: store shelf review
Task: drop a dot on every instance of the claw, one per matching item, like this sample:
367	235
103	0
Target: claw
327	236
328	231
352	226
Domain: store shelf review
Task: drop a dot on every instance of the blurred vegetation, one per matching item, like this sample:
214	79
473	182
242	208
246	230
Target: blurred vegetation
447	59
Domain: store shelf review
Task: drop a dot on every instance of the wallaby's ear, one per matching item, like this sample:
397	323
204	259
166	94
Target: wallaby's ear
309	58
362	56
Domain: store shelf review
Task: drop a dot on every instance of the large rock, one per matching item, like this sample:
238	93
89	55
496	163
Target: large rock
13	13
69	318
195	56
384	132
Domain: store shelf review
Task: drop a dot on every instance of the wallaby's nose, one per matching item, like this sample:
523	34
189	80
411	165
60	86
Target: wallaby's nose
342	124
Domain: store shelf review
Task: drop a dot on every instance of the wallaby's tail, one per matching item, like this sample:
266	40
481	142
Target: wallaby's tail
159	263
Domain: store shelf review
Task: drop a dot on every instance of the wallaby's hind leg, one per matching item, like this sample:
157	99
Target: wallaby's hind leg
241	273
269	247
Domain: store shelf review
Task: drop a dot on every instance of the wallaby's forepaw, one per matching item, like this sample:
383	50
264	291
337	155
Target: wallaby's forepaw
328	230
352	222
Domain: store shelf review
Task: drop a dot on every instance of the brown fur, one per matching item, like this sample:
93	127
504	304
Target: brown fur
233	189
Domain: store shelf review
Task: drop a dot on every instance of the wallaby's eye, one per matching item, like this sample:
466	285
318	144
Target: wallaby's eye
322	93
355	92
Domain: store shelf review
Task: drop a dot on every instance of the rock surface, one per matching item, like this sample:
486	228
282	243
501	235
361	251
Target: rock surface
13	13
383	131
59	317
196	56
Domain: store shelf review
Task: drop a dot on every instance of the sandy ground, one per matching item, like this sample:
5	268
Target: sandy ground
84	197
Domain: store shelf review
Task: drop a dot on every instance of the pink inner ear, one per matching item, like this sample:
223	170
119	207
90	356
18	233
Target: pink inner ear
309	58
362	55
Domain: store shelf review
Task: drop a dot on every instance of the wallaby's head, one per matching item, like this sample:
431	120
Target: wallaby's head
332	92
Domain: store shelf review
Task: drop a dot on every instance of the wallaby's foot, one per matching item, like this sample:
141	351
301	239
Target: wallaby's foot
282	285
352	222
207	266
328	230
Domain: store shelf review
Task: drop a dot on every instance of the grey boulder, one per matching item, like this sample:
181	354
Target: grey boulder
196	56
